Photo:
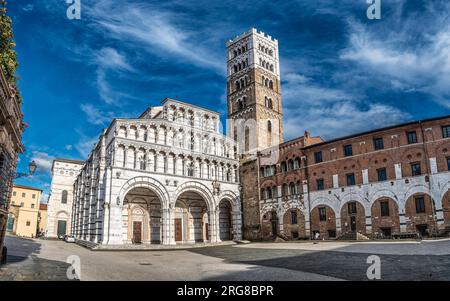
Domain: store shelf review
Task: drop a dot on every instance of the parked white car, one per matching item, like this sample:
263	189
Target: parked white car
69	238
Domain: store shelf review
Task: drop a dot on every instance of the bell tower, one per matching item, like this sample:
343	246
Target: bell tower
253	92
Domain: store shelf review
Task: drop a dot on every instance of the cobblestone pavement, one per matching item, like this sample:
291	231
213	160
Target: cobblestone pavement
46	259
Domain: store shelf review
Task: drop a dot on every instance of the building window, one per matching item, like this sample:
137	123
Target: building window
14	193
384	205
33	196
320	184
269	193
420	204
22	204
352	208
291	165
412	137
294	218
32	206
190	170
351	179
382	176
415	169
348	150
318	157
448	163
247	139
297	163
28	223
283	166
322	214
292	189
446	131
378	143
23	194
64	197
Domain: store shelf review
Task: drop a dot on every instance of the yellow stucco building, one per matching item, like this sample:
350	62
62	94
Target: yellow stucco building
24	211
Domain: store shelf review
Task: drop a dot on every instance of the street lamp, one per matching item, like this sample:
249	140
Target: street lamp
31	170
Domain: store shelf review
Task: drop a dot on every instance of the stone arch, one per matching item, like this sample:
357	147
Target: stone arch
326	226
418	188
354	196
419	213
294	223
233	198
145	182
384	223
386	193
353	217
62	223
199	188
333	204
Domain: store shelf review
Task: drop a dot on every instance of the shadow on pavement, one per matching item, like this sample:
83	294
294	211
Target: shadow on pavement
20	248
343	265
23	264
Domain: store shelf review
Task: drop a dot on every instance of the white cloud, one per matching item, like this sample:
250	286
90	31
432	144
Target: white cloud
95	116
109	58
69	147
28	7
330	112
43	161
85	144
340	119
424	68
152	30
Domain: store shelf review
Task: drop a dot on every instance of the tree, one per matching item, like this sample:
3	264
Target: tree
8	56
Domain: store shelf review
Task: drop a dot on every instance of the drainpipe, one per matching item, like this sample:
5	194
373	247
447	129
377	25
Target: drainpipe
428	173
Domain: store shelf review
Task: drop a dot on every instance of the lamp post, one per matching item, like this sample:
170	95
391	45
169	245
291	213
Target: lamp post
31	170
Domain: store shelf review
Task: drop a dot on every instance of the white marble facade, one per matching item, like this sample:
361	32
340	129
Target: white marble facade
166	177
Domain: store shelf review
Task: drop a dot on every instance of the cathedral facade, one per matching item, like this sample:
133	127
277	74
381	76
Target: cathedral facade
167	177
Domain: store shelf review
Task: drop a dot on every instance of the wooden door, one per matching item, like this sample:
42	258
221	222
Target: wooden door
137	232
62	228
207	231
178	230
353	223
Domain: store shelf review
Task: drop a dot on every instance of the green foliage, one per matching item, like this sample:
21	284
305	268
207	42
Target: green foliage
8	57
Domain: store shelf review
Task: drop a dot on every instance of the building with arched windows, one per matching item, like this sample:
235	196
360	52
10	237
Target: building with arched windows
167	177
379	183
59	208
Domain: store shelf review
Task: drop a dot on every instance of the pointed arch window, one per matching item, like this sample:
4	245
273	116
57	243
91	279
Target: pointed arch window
64	197
247	139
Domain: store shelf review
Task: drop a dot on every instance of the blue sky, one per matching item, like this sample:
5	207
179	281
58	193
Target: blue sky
341	72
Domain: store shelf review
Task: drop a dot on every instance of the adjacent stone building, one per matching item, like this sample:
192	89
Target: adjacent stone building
166	177
11	129
59	206
377	183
